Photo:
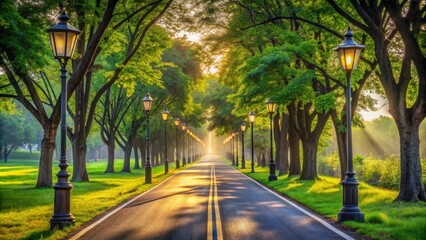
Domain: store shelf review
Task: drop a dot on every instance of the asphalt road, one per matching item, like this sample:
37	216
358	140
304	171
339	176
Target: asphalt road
210	200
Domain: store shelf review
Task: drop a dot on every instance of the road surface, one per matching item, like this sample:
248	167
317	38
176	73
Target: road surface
210	200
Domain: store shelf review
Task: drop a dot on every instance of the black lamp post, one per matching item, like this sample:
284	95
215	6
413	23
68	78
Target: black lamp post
236	147
243	155
183	125
233	147
63	38
147	103
176	121
165	115
192	147
270	106
230	156
349	52
251	118
188	143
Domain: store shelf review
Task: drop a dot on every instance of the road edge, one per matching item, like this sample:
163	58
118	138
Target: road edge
74	235
289	201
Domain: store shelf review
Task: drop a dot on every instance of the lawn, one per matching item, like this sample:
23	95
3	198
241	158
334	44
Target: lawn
25	211
384	219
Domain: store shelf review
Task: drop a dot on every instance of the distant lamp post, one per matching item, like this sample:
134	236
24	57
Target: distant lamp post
243	155
349	52
165	115
251	118
188	143
270	107
63	38
176	121
236	148
147	103
233	147
183	125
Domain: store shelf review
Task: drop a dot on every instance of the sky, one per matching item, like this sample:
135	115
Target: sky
382	109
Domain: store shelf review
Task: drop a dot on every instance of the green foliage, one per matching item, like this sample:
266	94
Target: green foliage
22	34
25	155
380	218
325	102
329	165
11	132
220	110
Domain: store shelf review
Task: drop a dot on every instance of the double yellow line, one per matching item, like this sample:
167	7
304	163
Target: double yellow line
214	225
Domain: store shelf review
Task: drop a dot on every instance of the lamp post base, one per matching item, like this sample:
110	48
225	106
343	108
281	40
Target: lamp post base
148	174
62	216
350	216
350	210
59	221
272	178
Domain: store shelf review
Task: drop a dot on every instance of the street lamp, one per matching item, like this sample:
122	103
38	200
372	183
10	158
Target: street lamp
188	142
147	103
236	147
63	38
349	52
243	157
251	118
176	121
270	107
183	125
165	115
233	147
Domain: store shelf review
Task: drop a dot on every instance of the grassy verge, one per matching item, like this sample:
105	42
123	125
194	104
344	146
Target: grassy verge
384	219
25	211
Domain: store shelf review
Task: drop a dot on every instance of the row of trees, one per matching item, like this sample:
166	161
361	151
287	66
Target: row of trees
284	50
124	51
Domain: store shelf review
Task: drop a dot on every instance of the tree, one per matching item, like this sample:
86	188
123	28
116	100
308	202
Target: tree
11	134
20	57
131	50
382	20
114	109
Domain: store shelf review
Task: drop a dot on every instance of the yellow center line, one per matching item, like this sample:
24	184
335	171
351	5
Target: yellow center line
209	208
214	225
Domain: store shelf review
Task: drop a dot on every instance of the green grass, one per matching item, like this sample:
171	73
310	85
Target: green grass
25	211
384	219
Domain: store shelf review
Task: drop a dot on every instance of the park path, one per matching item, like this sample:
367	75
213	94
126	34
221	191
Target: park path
210	200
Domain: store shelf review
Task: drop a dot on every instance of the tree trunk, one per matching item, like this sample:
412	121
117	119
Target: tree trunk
263	158
5	154
79	138
277	140
46	155
310	148
135	151
30	147
111	152
293	139
136	124
282	148
79	150
127	154
411	185
341	145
